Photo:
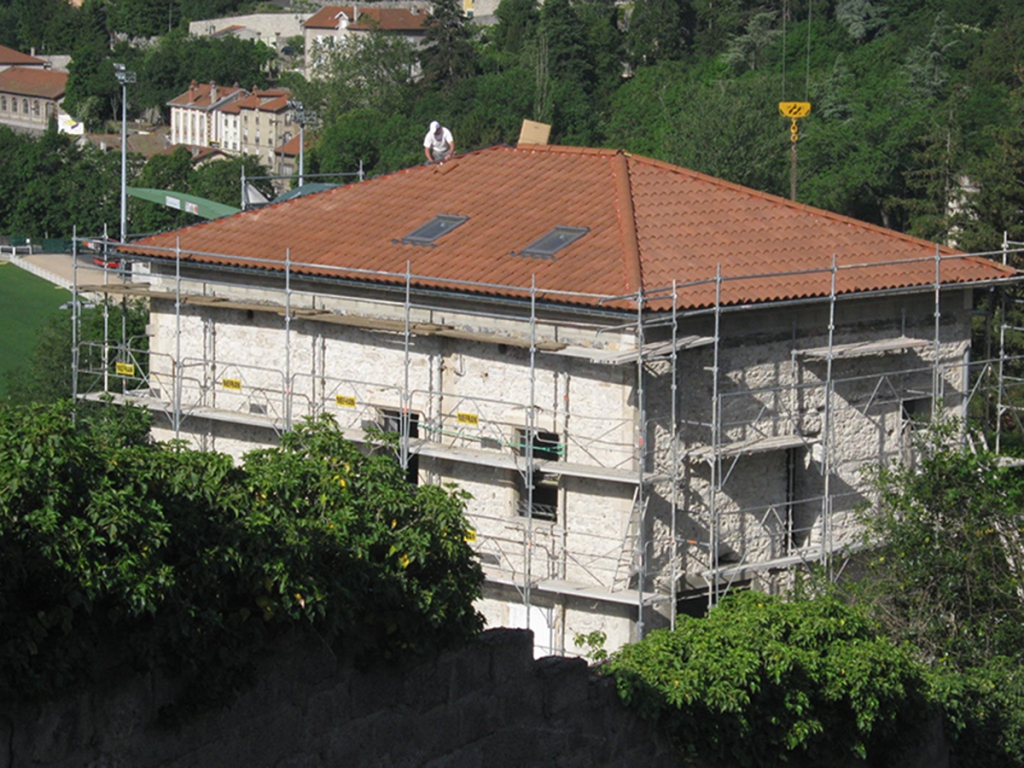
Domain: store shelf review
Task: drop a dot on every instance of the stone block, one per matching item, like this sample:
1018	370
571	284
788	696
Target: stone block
328	708
565	683
511	653
300	760
435	731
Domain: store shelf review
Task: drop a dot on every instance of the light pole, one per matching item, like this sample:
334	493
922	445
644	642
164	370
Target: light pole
124	77
303	117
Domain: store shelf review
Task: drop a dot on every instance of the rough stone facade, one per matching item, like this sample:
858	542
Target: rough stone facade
758	468
489	704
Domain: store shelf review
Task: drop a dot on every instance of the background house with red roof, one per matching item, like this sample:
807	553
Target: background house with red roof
12	58
30	97
657	386
333	24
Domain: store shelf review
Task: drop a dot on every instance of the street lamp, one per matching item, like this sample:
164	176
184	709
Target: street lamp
303	117
124	77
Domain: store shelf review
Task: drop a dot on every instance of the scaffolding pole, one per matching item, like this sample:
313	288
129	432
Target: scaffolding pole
674	552
826	431
75	321
716	440
178	368
641	443
287	338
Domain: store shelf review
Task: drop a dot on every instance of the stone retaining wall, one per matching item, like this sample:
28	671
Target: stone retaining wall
489	704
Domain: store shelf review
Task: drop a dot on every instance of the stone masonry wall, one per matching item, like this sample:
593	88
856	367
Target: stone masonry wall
490	703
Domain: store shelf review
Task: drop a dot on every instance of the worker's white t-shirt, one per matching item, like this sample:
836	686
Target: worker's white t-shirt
435	145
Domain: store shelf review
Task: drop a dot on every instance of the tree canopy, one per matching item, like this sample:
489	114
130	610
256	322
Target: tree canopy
179	559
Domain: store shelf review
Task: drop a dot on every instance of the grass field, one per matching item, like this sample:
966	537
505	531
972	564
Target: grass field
27	303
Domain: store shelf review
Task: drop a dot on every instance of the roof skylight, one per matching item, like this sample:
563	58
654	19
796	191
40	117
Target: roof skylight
437	227
558	238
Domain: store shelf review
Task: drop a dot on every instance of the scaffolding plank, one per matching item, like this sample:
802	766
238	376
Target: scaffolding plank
653	351
591	592
863	348
126	289
144	401
518	463
544	345
812	554
759	444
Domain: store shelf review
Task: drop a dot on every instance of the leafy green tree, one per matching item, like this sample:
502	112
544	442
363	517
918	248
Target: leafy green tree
180	560
381	142
517	25
659	30
139	18
221	181
448	55
566	76
93	93
497	103
167	69
765	682
727	136
948	575
996	203
861	19
373	71
747	51
63	186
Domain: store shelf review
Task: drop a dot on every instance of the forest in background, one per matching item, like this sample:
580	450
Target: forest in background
916	120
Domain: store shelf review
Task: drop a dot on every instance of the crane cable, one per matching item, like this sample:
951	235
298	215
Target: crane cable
807	80
807	76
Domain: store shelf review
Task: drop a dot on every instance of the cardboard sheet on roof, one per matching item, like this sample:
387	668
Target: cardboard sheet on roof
534	133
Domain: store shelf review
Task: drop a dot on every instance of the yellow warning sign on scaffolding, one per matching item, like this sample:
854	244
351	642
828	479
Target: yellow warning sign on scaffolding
124	369
470	419
794	108
234	385
344	401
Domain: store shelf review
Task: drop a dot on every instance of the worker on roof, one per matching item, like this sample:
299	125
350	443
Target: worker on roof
438	144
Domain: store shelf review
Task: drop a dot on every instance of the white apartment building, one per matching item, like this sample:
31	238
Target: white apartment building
195	117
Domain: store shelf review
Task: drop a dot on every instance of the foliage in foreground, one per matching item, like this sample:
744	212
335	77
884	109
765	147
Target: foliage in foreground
763	682
950	575
114	550
766	682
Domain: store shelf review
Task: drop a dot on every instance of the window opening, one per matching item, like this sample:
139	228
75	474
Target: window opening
916	413
390	422
437	227
546	447
560	237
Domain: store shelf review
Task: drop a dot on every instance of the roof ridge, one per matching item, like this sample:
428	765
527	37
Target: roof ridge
804	207
631	261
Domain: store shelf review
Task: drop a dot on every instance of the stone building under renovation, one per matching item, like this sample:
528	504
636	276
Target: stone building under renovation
657	386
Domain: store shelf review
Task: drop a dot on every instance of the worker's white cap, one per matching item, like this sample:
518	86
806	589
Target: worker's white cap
434	126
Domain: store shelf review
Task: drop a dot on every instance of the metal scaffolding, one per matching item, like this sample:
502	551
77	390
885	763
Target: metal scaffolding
702	546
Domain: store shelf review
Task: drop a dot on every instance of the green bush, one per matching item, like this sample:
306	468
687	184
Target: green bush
764	682
158	556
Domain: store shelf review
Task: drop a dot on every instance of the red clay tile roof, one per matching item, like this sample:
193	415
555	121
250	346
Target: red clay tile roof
649	223
29	81
394	19
290	147
10	57
198	96
273	100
